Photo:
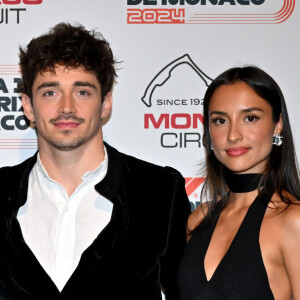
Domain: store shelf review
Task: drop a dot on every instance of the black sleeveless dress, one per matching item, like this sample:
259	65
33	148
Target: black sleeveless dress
241	274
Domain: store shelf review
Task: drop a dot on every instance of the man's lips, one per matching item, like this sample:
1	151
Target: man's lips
238	151
64	124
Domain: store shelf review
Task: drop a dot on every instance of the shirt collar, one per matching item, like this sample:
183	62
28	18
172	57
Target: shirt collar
99	172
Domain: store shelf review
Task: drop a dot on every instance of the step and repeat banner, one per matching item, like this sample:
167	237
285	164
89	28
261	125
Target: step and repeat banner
169	52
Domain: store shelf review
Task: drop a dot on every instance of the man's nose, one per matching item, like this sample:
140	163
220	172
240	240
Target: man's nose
67	107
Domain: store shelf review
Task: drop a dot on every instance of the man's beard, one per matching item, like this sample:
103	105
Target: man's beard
66	144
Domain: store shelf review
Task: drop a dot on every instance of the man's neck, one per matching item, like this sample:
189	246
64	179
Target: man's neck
67	167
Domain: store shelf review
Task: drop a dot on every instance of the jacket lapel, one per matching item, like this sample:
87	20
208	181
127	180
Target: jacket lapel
23	266
109	241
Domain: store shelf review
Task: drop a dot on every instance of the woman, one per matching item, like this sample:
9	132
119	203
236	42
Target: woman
245	242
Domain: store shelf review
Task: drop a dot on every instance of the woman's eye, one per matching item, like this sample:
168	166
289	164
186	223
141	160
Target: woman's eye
251	119
219	121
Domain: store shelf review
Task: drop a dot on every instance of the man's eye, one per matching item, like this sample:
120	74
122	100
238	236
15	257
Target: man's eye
49	93
83	93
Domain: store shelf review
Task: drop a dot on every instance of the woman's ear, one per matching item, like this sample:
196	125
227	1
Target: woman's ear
278	126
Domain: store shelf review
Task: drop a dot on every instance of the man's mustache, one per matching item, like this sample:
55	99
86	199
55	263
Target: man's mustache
67	118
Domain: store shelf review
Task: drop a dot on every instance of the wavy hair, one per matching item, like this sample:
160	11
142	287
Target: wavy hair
70	46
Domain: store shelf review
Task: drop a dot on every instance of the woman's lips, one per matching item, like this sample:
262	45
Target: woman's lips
237	151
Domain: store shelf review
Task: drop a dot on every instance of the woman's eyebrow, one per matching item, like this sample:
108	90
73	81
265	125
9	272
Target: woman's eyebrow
251	109
216	112
246	110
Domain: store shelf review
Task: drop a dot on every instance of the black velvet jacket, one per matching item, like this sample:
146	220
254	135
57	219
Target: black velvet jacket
135	254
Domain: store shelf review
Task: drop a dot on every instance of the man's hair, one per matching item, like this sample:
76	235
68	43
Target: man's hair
70	46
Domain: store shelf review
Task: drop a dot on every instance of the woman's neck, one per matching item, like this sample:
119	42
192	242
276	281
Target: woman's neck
242	183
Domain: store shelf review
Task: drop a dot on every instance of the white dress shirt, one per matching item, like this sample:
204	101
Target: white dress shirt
58	228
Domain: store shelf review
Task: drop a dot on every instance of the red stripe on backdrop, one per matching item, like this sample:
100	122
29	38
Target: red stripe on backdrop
9	70
192	183
18	144
282	15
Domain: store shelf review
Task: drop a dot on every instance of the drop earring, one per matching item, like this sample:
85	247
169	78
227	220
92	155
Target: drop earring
277	139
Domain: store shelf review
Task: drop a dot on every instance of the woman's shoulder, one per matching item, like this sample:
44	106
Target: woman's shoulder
291	215
287	212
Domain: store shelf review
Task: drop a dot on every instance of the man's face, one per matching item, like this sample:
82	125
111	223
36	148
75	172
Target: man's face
66	108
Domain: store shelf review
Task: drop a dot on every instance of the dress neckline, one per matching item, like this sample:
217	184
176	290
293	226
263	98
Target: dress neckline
233	242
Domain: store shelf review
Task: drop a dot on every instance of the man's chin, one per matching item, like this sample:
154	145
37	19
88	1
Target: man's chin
67	146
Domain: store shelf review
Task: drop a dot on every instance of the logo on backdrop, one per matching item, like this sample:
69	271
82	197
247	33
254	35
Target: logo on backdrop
209	11
12	11
12	119
173	113
174	99
173	116
192	187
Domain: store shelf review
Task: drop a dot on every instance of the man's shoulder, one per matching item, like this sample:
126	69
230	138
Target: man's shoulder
6	172
146	166
149	165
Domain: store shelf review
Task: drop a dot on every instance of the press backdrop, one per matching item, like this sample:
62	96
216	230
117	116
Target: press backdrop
169	50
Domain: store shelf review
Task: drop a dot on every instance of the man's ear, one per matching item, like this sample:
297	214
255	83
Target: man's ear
106	106
28	109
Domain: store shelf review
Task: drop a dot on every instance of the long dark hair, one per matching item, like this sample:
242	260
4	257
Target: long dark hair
281	172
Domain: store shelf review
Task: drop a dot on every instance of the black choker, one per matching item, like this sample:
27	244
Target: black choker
242	183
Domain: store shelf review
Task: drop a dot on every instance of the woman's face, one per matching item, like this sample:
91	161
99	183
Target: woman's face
241	128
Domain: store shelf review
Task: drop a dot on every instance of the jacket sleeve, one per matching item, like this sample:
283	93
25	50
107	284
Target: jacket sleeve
176	242
4	293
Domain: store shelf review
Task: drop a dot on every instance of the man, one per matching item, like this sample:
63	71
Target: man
80	220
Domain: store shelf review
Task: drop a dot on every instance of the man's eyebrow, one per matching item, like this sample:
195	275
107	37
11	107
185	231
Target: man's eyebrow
56	83
47	84
84	83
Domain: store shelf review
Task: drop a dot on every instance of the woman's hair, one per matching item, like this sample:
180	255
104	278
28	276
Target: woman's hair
281	172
